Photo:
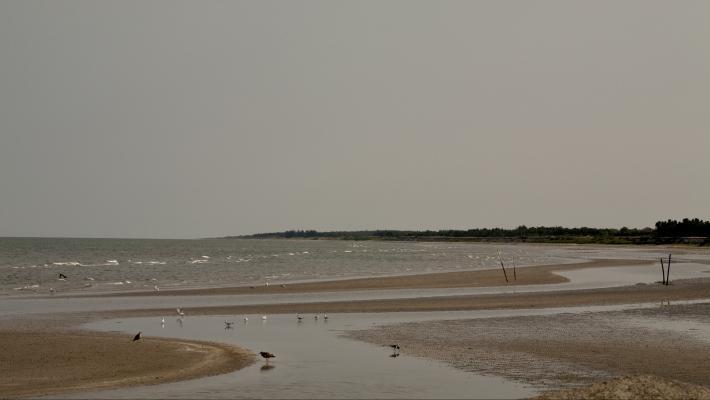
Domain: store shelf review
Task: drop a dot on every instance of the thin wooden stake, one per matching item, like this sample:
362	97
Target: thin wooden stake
663	273
515	276
668	271
502	266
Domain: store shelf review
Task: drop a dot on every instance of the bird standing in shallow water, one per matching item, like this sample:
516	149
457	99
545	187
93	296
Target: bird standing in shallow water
137	337
266	355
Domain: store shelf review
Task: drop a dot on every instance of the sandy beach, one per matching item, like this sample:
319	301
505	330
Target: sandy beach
511	347
35	363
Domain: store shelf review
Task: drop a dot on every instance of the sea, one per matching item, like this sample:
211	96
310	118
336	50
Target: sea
41	265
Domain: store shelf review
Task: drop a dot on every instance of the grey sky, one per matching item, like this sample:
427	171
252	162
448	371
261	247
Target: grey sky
191	119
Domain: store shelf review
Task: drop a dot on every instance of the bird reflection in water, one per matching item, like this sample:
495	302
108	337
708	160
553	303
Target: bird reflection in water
393	355
267	367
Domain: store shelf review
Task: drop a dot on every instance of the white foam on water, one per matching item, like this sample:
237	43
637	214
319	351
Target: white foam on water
27	287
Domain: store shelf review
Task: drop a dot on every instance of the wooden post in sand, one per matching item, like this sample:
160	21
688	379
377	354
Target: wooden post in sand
515	276
502	266
663	273
668	270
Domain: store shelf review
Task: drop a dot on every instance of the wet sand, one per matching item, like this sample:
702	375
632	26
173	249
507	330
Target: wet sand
568	350
690	289
633	387
35	363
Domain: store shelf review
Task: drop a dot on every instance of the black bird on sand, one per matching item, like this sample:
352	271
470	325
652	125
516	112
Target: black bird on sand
137	337
62	276
394	346
266	355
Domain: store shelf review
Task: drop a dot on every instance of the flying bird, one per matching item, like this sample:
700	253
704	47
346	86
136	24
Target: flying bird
228	324
394	346
137	337
299	317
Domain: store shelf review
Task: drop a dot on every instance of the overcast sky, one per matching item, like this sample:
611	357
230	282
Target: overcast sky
205	118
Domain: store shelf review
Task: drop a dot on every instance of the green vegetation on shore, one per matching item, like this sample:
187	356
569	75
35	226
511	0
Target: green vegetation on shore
687	231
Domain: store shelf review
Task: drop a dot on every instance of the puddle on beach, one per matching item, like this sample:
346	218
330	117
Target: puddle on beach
313	360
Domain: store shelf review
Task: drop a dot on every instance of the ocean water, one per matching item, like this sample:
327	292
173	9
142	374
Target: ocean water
34	265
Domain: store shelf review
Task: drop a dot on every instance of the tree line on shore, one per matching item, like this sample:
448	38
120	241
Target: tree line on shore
691	231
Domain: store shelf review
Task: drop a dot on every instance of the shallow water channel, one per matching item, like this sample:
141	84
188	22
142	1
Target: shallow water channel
314	359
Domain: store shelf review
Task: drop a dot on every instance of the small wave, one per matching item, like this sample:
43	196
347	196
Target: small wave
205	256
27	287
198	261
115	283
72	263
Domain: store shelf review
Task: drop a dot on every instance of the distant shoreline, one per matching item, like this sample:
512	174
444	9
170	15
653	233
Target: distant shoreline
694	241
686	231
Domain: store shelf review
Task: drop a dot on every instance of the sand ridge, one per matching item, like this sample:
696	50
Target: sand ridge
35	363
531	275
